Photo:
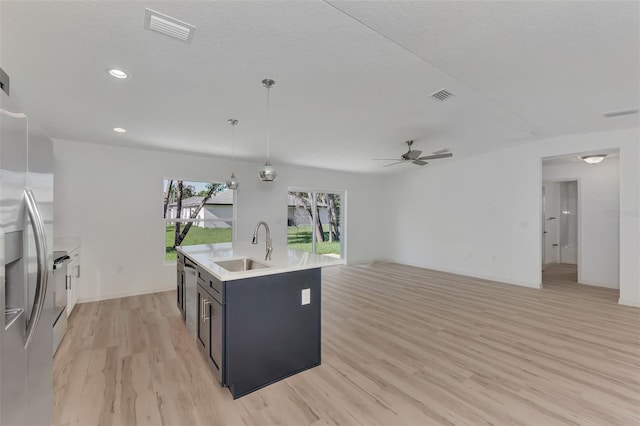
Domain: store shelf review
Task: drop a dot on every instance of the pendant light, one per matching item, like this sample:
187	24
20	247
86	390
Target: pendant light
267	172
232	182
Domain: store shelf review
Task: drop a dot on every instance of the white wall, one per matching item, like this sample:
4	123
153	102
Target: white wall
480	216
111	197
599	225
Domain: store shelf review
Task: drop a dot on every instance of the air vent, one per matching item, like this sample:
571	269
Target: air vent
167	25
442	95
619	113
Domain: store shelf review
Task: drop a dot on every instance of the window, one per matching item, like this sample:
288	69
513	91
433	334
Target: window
196	213
315	221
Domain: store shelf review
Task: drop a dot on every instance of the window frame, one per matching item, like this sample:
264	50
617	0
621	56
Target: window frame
343	214
167	221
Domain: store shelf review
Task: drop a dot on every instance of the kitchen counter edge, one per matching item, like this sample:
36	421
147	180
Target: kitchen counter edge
283	259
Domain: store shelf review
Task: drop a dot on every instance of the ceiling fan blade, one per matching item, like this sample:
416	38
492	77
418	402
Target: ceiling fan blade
413	154
393	164
435	157
420	163
441	151
388	159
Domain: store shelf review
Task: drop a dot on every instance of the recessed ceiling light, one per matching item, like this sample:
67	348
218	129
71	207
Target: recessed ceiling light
116	73
119	130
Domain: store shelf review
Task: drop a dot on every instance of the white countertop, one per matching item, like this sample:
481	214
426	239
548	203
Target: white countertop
283	259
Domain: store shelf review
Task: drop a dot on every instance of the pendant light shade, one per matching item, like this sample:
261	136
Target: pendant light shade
267	173
232	182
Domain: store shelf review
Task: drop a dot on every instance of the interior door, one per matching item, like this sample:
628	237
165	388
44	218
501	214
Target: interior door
551	230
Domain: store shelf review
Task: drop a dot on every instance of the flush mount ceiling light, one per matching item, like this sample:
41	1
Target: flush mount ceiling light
267	172
119	130
593	159
117	73
232	182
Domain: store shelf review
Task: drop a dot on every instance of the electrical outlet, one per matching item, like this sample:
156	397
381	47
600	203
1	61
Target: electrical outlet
306	296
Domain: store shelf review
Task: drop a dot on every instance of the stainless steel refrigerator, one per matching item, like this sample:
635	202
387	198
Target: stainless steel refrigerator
26	240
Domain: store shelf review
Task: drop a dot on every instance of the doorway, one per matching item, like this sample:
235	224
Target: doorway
560	243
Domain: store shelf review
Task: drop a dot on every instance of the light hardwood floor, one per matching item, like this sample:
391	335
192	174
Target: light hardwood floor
400	345
559	273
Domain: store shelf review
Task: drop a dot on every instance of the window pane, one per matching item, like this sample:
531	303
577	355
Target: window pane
205	210
328	225
200	232
299	221
314	222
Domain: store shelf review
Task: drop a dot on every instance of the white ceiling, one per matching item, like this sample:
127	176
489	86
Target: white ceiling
352	77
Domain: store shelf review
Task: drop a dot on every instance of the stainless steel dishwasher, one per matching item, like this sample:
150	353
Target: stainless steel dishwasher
191	297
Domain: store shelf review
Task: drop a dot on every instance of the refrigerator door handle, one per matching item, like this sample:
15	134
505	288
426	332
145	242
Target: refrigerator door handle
41	253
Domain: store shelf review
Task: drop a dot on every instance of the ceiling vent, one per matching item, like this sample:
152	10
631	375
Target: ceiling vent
167	25
619	113
442	95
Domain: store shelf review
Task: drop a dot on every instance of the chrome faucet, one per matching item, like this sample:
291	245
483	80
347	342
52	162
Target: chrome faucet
254	240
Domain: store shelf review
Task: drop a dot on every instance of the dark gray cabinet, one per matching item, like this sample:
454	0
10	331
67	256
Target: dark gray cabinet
256	331
270	334
211	321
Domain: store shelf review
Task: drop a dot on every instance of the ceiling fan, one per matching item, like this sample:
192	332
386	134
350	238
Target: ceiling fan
413	155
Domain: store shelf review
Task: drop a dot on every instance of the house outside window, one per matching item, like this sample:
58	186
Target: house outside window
196	213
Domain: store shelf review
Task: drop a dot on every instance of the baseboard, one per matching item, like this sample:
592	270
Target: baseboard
478	276
627	302
367	262
124	294
595	284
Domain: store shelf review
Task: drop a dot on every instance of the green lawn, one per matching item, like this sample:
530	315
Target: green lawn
299	237
195	236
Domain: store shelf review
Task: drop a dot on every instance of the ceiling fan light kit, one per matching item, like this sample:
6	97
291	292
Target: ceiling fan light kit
413	156
267	172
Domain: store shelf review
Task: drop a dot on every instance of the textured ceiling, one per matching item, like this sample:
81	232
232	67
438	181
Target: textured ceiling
352	78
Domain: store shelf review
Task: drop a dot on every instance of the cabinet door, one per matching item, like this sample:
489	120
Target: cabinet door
215	320
204	330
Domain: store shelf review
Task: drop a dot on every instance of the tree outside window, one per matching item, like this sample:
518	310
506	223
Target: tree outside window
196	213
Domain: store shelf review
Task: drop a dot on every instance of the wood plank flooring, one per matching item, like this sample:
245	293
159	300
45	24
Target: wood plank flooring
559	273
401	346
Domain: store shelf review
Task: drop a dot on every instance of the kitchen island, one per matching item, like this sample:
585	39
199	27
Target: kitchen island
257	321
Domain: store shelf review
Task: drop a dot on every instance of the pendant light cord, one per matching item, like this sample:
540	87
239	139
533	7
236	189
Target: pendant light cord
233	146
268	121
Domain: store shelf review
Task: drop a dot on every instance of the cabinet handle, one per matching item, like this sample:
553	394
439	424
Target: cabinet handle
205	303
67	282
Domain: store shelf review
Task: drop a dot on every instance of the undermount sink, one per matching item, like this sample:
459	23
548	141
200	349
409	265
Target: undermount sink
242	264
